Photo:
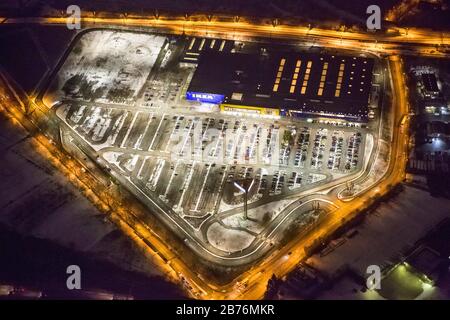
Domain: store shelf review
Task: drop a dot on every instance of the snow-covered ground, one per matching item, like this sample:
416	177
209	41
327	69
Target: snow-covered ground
260	216
107	60
273	207
237	221
228	240
112	157
37	200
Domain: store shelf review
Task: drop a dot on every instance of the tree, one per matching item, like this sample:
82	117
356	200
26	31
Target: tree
272	287
267	217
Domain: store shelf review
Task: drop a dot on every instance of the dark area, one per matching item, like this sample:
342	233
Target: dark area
41	265
28	68
430	15
439	184
53	40
28	53
439	239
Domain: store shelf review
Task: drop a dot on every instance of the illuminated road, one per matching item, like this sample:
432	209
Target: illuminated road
396	41
286	258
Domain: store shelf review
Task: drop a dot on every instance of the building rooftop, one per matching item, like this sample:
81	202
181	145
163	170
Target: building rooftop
287	80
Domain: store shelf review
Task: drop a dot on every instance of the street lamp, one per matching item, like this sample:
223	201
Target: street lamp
245	190
275	22
125	16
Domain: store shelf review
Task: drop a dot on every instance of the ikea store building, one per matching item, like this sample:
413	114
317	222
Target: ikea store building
295	84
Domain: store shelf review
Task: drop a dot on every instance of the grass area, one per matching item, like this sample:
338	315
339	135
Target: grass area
401	284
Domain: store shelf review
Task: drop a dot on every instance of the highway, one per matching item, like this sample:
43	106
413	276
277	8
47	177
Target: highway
252	283
394	41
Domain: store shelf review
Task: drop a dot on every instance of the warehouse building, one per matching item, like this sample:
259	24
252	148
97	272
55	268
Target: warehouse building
292	84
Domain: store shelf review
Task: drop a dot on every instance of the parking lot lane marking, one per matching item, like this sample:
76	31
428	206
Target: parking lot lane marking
156	132
122	145
171	179
187	182
203	187
222	45
202	43
216	202
186	139
141	168
156	173
150	120
191	45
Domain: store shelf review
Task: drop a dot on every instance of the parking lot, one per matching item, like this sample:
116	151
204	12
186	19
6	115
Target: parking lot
192	162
